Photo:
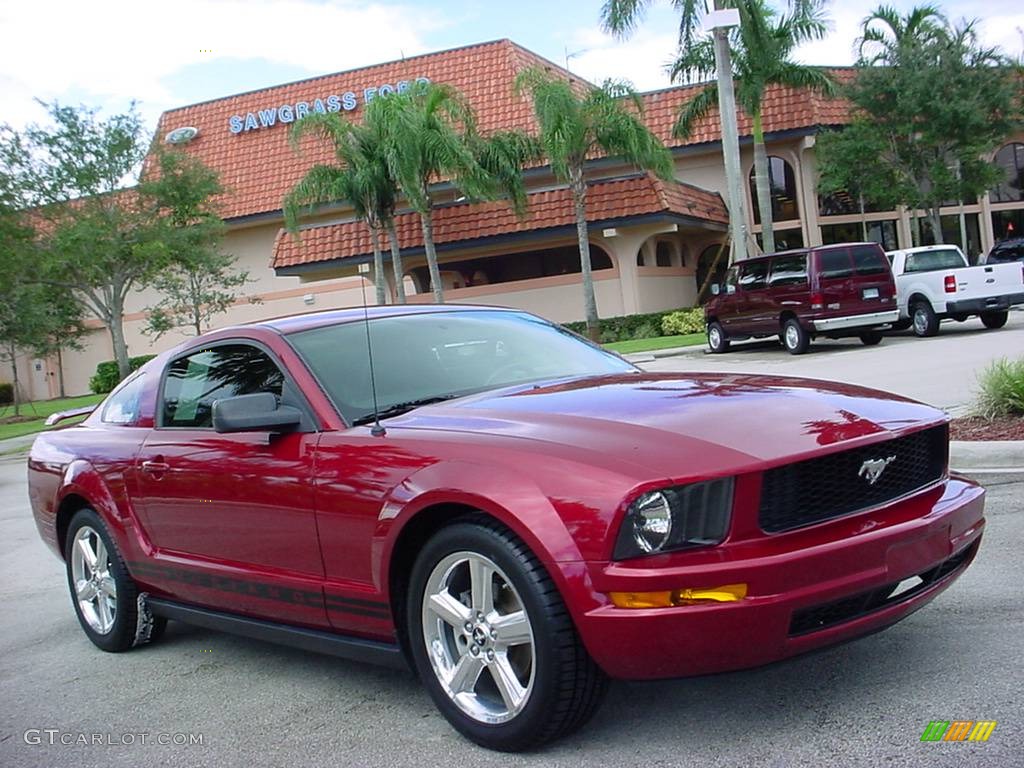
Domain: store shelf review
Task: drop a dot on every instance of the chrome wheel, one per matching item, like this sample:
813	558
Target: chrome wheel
920	322
478	637
792	337
715	337
92	581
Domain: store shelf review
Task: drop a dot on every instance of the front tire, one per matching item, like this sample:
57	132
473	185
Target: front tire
870	338
926	323
794	338
494	643
105	598
994	320
718	342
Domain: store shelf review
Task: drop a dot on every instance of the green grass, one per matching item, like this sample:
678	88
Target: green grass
39	410
656	342
1001	389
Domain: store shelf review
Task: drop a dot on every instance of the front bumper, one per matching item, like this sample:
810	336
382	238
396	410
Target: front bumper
989	304
856	321
800	597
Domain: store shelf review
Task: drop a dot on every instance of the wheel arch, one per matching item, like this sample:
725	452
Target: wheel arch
69	505
917	298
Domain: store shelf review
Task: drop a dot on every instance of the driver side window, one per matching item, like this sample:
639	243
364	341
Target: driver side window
196	381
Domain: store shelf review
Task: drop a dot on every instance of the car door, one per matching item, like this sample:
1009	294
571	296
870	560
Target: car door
231	516
788	285
755	300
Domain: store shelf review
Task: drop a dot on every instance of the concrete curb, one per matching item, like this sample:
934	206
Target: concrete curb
647	357
987	457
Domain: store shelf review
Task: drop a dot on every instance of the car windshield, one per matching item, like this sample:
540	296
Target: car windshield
423	358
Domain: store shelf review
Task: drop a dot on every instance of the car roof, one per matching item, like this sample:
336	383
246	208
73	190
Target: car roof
806	249
308	320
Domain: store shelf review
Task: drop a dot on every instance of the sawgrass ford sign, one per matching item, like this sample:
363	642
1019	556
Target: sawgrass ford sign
283	114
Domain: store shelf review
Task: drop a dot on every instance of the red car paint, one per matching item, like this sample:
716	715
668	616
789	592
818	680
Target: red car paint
302	529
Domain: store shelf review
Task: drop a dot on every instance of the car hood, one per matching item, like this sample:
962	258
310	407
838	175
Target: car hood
676	425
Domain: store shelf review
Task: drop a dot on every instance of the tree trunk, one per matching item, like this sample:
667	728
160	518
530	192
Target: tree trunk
15	395
197	305
915	229
115	324
427	218
936	222
579	197
378	264
396	263
863	219
764	193
60	371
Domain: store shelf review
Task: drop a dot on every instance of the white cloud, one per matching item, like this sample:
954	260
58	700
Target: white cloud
120	49
641	59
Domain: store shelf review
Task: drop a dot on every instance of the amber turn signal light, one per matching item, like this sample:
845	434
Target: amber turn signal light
670	598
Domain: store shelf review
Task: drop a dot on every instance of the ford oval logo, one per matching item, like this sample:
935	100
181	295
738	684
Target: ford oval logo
181	135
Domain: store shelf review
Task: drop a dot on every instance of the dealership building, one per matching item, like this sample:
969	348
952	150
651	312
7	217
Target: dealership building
652	241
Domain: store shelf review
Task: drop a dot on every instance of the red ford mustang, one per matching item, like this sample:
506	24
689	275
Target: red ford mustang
518	514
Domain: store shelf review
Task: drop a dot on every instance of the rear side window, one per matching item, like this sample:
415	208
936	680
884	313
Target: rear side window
789	270
931	261
869	260
754	275
834	264
196	381
122	407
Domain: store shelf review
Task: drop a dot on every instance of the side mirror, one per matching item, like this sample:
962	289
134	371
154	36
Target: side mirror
259	412
730	289
715	289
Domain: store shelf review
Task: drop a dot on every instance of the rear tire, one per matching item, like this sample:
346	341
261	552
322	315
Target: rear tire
718	342
513	694
105	598
870	338
924	319
994	320
794	338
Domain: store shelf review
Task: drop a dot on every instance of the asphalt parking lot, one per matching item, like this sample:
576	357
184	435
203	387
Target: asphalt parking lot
941	370
251	703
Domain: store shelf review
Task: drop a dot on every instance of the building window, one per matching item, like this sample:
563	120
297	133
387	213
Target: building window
785	239
843	204
1011	159
951	233
513	267
640	258
663	253
1007	224
881	232
782	183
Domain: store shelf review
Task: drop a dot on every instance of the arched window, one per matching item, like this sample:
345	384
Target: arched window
663	253
782	183
1011	159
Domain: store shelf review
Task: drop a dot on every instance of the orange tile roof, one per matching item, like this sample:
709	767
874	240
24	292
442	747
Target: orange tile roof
607	200
259	167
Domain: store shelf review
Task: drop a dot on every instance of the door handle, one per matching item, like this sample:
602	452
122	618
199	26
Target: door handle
155	467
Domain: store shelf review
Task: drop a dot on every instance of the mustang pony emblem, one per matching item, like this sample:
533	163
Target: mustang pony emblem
872	469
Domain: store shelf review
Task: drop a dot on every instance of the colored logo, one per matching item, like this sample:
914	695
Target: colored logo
958	730
872	469
181	135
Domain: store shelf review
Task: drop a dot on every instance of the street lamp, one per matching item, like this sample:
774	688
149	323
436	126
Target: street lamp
720	21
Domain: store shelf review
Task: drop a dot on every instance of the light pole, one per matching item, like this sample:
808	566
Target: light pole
720	21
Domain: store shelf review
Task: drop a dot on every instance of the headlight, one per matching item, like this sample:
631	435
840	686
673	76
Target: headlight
676	518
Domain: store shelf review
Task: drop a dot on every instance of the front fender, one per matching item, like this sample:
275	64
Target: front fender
512	498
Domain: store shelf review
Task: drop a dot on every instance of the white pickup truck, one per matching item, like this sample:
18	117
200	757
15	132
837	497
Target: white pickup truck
934	282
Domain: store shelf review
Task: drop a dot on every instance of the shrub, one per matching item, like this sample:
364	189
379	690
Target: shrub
6	393
107	377
683	322
626	327
1001	389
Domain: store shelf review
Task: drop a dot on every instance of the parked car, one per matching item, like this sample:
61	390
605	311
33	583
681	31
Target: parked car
1007	250
934	282
516	513
834	291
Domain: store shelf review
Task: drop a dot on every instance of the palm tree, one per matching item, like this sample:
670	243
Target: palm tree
428	135
575	124
761	48
362	178
887	36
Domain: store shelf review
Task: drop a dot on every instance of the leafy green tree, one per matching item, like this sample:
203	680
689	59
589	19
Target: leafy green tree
101	241
362	177
762	47
577	123
931	104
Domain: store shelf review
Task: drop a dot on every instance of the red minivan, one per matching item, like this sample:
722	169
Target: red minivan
834	291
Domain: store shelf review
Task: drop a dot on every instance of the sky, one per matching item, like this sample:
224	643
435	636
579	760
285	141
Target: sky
107	53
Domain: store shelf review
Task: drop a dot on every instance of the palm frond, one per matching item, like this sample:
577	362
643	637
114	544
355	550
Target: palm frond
696	108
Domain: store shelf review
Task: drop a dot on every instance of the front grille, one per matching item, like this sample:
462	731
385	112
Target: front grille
849	608
820	489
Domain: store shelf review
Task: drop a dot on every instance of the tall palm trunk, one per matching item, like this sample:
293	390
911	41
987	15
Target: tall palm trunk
378	263
764	198
427	219
579	199
396	262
